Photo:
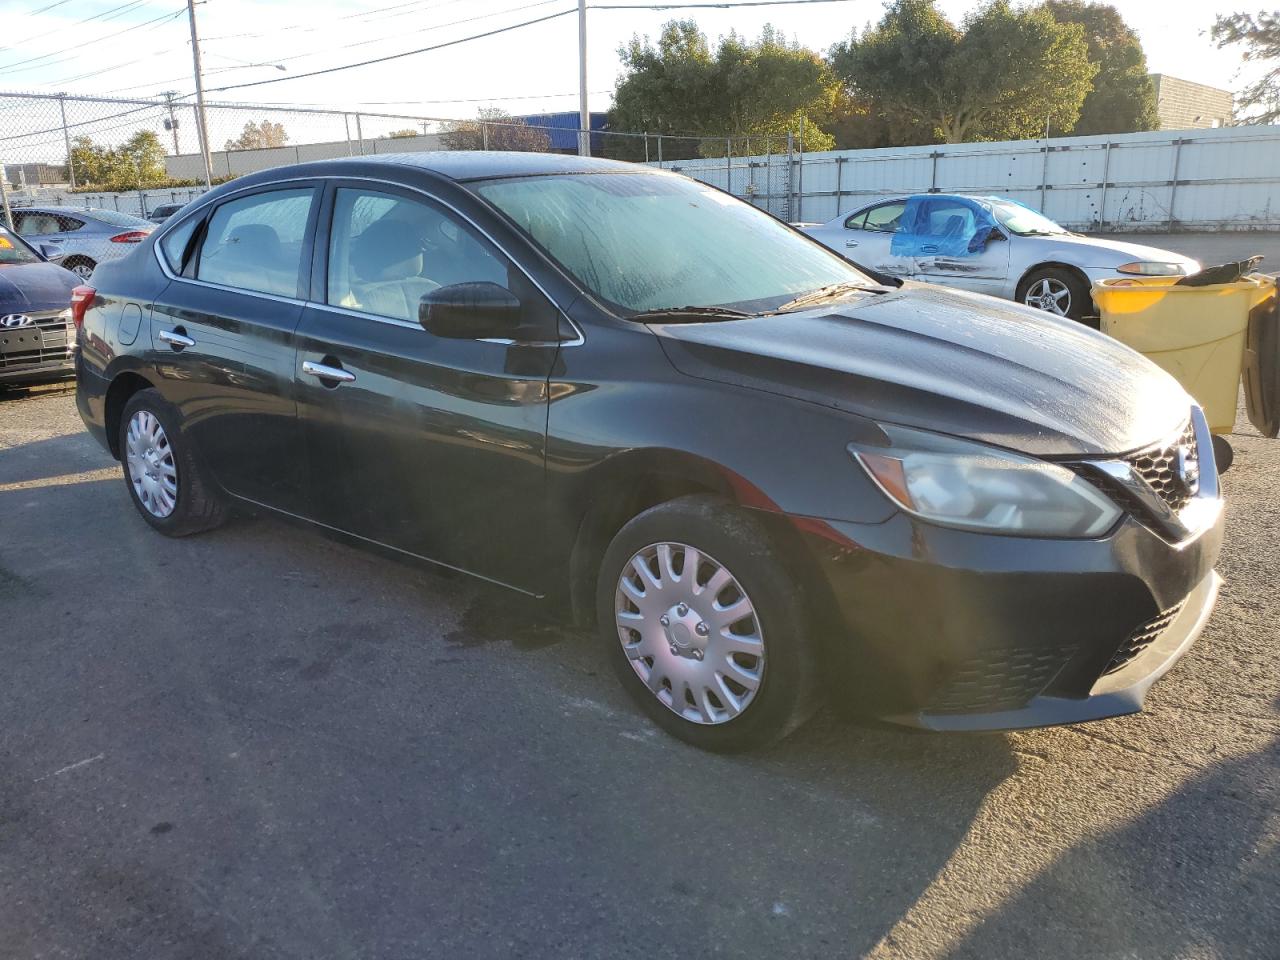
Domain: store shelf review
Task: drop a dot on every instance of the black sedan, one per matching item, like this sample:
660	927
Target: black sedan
766	477
36	332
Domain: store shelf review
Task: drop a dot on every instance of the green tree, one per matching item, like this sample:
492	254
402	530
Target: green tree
1123	98
493	129
259	136
1259	34
400	134
1000	77
679	88
138	162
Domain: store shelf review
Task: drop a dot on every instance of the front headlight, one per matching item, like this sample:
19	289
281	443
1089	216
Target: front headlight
976	487
1152	268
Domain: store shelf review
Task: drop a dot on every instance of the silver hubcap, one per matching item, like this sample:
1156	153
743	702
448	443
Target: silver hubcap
1049	294
82	270
150	462
690	631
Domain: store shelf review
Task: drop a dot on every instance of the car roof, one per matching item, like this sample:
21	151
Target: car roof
483	164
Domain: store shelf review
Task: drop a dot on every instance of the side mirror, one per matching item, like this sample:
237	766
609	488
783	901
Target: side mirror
471	311
980	240
51	252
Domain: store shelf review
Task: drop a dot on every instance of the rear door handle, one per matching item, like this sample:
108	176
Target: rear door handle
851	243
175	339
325	372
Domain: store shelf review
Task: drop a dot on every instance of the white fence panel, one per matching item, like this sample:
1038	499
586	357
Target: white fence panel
1222	179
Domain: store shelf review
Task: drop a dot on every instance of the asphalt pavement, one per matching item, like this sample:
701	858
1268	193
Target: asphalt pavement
259	743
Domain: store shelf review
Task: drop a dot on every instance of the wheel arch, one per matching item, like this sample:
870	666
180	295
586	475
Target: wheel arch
123	386
1021	287
622	488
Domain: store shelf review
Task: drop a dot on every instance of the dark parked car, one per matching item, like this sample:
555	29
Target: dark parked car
36	332
163	212
764	475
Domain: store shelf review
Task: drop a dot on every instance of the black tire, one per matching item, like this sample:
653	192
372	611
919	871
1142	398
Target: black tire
1081	306
789	692
197	507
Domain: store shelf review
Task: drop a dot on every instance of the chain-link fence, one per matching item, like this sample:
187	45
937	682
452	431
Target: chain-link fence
132	155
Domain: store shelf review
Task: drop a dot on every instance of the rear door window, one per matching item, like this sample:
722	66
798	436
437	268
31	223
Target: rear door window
37	224
256	243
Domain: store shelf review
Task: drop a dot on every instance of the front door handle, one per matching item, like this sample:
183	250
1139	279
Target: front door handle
325	372
175	339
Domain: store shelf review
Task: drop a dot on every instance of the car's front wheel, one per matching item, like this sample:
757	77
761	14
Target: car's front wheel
165	480
706	627
1058	291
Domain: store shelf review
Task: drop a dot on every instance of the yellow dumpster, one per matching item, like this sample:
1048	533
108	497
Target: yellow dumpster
1196	333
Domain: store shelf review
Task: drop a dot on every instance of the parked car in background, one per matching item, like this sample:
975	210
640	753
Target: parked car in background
36	331
163	212
766	477
86	237
991	245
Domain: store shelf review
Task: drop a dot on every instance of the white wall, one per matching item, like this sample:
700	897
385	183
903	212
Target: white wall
189	166
1226	179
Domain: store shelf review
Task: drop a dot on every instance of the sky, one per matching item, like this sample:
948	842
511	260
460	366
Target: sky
46	46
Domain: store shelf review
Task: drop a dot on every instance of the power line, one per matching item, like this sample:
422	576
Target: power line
97	16
397	56
17	65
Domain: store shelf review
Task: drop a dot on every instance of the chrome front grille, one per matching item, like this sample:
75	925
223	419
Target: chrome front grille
1158	466
48	339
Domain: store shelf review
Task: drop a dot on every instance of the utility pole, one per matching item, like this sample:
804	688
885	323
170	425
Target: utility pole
66	139
584	115
173	120
202	128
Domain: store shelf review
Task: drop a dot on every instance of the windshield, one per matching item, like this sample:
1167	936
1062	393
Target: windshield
14	250
654	241
1021	220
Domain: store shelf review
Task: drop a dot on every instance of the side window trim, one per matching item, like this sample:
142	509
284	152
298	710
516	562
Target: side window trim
857	220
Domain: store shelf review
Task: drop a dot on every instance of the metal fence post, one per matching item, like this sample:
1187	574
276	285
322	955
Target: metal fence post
646	148
484	135
1106	176
728	164
659	149
800	175
791	152
4	198
1173	184
839	182
66	139
359	135
346	122
1044	175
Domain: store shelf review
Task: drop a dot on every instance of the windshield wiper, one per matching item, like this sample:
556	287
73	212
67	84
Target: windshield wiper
833	291
690	314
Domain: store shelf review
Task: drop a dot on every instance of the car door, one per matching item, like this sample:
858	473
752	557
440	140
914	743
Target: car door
433	446
222	337
955	242
868	239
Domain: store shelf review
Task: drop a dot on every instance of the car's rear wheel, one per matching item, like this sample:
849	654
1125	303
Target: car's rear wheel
1058	291
82	267
162	474
705	626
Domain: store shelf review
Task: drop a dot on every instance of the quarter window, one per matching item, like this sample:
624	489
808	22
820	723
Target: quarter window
386	252
255	243
174	243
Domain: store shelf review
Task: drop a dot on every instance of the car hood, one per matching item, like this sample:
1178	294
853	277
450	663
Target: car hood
1104	252
949	361
35	286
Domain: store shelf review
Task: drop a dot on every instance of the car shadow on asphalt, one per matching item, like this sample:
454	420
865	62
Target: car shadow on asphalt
1204	864
51	458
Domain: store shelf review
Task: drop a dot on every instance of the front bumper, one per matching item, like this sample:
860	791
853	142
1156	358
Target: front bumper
951	630
39	372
